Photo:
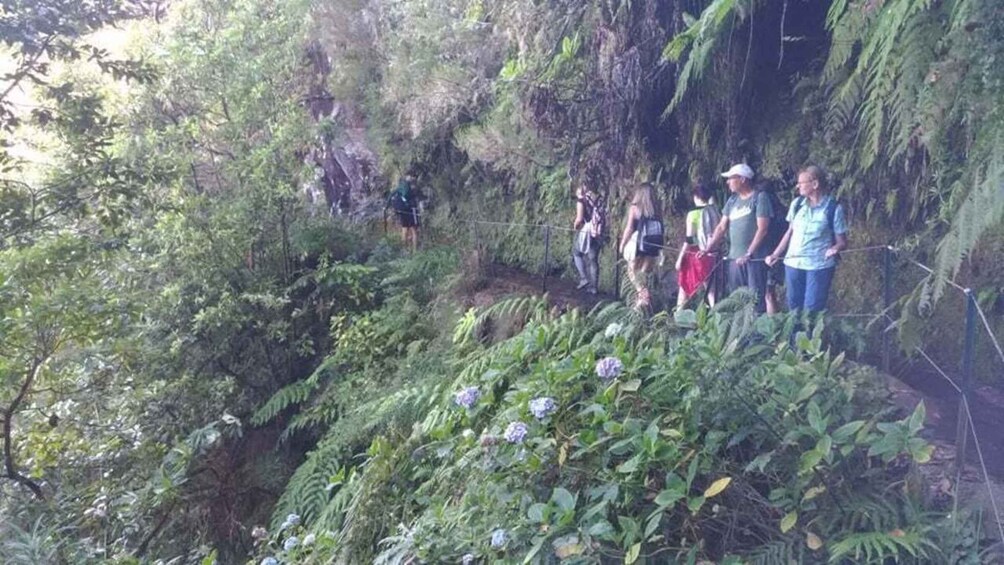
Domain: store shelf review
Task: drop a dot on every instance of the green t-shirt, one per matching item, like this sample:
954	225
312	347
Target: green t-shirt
742	214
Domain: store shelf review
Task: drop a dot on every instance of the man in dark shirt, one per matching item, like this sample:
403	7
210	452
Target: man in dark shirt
746	217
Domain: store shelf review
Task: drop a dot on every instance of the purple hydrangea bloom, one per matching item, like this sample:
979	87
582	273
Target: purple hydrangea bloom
467	397
516	432
542	407
609	368
499	537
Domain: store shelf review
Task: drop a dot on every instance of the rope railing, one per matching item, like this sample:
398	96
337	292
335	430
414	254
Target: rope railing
964	407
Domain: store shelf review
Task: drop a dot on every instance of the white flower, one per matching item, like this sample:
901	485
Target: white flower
309	540
269	561
613	330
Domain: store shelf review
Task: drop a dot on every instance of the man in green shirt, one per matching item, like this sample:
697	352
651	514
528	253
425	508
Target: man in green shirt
746	217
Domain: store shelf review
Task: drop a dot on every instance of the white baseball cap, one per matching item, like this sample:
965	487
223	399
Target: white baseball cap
739	170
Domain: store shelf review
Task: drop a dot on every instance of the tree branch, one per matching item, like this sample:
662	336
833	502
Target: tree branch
8	427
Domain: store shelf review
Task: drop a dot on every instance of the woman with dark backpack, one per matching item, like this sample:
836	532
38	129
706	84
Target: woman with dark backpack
590	227
642	240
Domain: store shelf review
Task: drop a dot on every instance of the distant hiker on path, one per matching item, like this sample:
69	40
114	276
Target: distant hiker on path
816	235
590	232
746	218
642	240
405	200
694	272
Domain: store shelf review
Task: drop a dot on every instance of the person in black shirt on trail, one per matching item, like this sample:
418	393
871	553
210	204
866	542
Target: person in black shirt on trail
405	200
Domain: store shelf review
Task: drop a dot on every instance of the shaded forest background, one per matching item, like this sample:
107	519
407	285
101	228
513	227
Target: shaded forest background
194	293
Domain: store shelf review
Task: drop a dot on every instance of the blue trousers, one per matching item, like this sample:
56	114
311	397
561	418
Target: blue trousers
808	290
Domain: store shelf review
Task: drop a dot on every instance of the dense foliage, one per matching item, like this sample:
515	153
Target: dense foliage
198	363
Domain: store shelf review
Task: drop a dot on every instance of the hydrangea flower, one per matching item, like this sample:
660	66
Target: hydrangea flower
467	559
467	397
499	538
309	540
259	532
290	543
609	368
516	432
613	330
542	407
269	561
291	520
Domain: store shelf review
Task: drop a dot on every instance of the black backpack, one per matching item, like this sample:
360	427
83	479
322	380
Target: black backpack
778	222
650	236
400	203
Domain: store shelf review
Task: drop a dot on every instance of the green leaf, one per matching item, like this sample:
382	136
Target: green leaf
806	392
809	460
788	522
653	524
629	466
813	493
631	386
632	554
536	512
602	529
695	503
668	497
917	418
816	420
563	499
844	433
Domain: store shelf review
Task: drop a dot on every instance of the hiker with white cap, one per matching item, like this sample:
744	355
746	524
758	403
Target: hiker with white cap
746	217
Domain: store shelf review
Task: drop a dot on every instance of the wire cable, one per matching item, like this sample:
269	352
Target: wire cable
983	465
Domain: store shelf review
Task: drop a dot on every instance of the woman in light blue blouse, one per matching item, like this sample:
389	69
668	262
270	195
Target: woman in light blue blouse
817	233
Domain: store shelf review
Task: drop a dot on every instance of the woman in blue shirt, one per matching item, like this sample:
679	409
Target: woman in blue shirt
817	233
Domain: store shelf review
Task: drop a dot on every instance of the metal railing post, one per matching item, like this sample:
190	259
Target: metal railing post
968	350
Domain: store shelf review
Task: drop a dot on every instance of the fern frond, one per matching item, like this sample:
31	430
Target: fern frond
878	547
291	394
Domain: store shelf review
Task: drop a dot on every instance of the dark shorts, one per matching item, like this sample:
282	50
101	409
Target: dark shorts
408	219
753	275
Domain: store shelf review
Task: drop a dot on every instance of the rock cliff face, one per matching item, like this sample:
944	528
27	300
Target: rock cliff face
346	180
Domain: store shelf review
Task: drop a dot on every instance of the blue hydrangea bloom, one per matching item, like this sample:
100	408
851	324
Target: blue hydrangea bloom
290	543
516	432
467	397
609	368
542	407
291	520
499	538
269	561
